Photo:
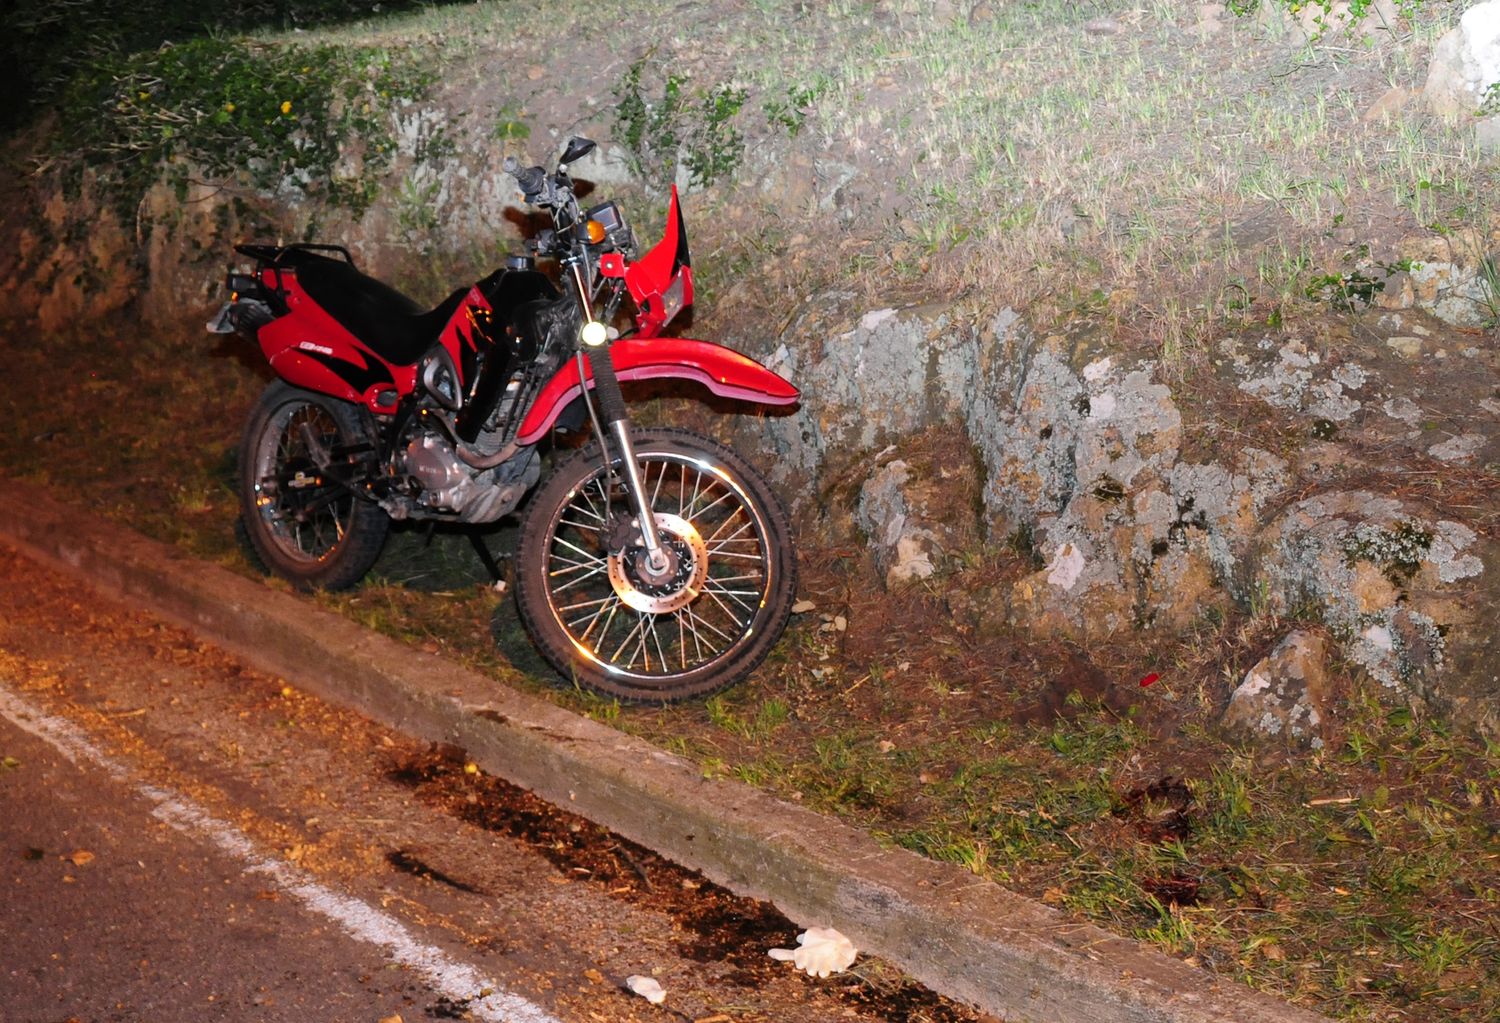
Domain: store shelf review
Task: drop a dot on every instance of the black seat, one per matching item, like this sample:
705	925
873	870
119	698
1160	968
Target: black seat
391	324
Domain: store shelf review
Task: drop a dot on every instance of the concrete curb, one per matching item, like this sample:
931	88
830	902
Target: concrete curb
966	938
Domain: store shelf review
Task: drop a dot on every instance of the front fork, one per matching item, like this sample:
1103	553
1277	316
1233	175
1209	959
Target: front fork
617	423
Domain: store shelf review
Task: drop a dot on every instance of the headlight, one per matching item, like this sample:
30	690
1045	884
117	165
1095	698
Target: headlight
594	333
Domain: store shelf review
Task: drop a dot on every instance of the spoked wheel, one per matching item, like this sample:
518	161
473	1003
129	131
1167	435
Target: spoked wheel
305	526
598	609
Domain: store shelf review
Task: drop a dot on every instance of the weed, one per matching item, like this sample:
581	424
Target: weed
1352	288
509	127
416	210
689	128
790	109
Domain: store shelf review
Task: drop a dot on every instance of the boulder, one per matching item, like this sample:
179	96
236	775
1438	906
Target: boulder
1391	583
1465	64
1286	693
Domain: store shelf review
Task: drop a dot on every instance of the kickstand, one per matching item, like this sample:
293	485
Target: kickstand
487	559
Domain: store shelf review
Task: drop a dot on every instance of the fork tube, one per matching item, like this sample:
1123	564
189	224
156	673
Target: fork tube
617	421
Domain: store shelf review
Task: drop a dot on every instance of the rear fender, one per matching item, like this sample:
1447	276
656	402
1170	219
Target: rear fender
723	371
310	349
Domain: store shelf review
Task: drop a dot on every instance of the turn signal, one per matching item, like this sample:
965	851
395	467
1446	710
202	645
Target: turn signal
595	231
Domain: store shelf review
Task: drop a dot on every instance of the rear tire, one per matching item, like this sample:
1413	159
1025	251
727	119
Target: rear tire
304	527
598	613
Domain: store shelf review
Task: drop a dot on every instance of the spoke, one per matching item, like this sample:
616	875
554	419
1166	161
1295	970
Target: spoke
734	595
610	606
700	512
596	602
572	565
661	655
699	620
693	501
583	527
578	581
746	578
732	537
591	511
733	615
660	479
685	626
573	547
637	629
734	554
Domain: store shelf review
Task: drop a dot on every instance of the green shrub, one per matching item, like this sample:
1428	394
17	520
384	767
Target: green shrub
281	117
46	42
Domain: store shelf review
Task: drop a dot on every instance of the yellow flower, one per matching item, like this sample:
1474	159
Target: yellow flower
228	108
286	106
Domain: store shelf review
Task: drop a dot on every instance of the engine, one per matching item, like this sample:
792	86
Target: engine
448	487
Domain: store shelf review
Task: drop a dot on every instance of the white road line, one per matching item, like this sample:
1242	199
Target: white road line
447	976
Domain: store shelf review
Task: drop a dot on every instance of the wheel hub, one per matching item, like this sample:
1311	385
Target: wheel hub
676	585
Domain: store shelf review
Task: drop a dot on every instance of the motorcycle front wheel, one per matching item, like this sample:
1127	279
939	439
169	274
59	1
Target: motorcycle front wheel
305	526
600	612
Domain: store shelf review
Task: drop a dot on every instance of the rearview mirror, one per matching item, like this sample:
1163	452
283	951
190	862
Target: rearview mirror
577	149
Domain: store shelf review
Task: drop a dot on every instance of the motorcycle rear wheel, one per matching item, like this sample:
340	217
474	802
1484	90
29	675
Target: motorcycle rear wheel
599	614
305	527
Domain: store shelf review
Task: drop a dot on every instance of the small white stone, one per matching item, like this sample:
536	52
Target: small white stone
647	988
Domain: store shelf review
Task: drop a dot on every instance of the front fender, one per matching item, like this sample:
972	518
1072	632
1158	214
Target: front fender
722	370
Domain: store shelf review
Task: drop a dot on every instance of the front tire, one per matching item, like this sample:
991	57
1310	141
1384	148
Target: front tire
599	613
304	526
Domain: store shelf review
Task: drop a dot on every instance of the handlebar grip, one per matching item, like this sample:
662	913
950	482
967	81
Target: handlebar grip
533	180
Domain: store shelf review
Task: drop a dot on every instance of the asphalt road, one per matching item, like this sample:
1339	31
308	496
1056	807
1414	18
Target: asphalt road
183	838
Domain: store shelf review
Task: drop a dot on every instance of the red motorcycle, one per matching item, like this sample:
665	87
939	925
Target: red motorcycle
653	564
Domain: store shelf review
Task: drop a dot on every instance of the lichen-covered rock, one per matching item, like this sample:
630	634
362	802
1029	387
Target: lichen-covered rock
1296	378
869	378
1286	693
1082	450
905	549
1451	276
1381	575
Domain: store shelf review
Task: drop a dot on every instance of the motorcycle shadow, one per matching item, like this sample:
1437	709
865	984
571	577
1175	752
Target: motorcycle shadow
445	559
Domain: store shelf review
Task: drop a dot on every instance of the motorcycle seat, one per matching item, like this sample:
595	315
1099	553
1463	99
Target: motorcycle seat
395	327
